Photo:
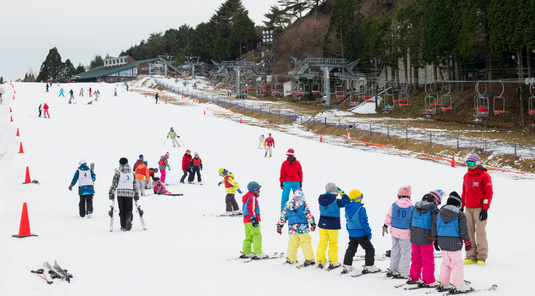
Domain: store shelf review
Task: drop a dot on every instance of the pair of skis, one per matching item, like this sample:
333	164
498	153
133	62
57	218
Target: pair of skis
55	272
139	210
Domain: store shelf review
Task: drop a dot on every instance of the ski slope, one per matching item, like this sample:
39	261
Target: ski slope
187	251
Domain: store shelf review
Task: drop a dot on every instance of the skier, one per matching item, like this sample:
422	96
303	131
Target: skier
450	232
61	94
164	164
71	97
329	224
196	168
47	87
231	186
476	197
126	84
81	94
123	182
139	161
398	218
251	222
269	144
90	92
158	187
156	97
173	136
45	107
298	215
142	177
360	233
85	178
261	143
115	91
40	109
291	176
186	165
423	220
97	95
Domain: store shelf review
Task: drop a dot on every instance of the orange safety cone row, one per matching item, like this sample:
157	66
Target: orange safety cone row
20	149
24	228
18	132
27	179
453	161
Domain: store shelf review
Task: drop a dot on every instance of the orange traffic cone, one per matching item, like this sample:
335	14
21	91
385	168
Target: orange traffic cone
10	110
204	111
28	179
240	120
20	149
24	229
145	95
11	118
166	101
321	138
18	132
14	91
323	132
453	161
13	97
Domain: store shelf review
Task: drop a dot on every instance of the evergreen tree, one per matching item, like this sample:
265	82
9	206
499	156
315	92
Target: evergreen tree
68	70
79	69
276	21
52	67
96	62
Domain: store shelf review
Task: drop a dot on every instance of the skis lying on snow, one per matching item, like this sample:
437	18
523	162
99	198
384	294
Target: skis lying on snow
58	272
140	211
41	273
222	215
455	292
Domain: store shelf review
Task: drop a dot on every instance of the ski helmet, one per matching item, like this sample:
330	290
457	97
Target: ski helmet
123	161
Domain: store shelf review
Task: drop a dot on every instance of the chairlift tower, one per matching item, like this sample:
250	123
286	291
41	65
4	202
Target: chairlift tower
268	39
326	65
238	67
193	61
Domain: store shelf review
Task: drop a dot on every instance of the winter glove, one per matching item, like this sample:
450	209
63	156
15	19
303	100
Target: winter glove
467	246
254	222
385	229
279	228
282	185
312	226
240	192
300	185
70	187
340	191
136	196
219	184
483	215
169	167
112	196
435	244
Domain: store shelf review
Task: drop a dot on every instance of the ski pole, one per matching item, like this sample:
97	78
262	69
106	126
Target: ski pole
165	141
181	141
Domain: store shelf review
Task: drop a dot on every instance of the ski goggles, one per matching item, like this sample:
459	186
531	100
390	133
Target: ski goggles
471	163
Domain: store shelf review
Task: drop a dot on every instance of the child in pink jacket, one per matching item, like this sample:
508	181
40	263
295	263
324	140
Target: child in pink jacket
398	218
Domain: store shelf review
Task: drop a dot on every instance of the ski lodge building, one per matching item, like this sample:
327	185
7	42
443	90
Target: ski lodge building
117	69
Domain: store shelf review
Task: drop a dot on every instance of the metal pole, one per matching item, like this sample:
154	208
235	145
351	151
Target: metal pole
430	138
370	129
406	134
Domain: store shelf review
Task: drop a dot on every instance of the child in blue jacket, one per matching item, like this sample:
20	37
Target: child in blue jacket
329	224
360	233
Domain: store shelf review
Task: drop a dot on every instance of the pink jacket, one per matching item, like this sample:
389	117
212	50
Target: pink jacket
396	232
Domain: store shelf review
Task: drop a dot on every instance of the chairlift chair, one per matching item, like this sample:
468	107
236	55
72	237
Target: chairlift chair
339	89
531	101
481	102
498	103
446	102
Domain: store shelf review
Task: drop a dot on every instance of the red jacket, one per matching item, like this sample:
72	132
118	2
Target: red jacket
270	141
291	172
250	208
186	162
477	189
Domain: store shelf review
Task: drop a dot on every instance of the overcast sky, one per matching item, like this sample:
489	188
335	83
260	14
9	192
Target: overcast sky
82	29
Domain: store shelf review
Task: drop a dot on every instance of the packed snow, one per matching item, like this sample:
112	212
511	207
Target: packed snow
186	250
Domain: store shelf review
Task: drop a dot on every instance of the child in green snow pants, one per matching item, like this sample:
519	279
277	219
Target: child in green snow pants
254	237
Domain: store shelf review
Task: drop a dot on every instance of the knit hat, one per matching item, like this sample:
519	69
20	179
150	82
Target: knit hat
454	199
331	188
475	159
355	195
167	154
196	153
252	186
141	156
437	194
290	152
188	151
123	161
405	192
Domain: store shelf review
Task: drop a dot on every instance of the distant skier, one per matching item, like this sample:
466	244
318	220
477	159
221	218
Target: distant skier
196	168
156	97
186	165
270	144
97	95
40	109
61	94
231	186
115	92
142	177
71	95
123	182
126	84
173	136
158	187
85	178
47	87
138	162
164	164
45	107
261	141
81	94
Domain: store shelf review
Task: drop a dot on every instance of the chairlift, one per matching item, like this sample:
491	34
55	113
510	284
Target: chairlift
430	101
531	101
276	88
481	102
403	96
340	89
388	102
446	102
498	103
316	87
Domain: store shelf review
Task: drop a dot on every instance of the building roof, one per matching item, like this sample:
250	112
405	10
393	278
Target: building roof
100	71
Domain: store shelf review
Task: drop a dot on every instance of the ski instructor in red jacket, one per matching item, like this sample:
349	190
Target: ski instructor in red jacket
476	198
291	177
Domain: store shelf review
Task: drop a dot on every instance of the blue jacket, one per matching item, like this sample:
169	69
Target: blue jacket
329	206
357	221
87	189
423	221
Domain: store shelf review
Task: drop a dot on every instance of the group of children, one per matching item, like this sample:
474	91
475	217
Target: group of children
417	230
